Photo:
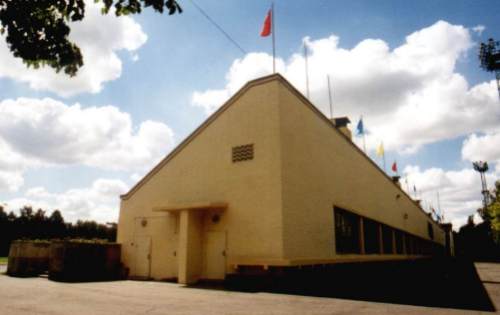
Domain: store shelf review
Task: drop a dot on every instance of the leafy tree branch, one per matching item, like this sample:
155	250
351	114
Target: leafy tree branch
37	31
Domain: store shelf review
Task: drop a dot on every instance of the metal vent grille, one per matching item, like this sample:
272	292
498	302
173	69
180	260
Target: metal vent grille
242	153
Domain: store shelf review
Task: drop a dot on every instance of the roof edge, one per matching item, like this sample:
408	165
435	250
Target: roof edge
200	128
356	148
229	102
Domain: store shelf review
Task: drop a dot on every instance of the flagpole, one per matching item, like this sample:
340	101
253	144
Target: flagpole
330	96
383	156
439	206
307	69
364	140
272	31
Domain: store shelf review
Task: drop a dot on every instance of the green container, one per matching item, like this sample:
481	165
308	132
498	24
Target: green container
28	258
76	261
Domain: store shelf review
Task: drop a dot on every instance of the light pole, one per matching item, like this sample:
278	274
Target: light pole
482	168
489	56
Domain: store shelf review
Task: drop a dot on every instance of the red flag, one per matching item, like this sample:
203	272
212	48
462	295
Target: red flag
394	167
266	28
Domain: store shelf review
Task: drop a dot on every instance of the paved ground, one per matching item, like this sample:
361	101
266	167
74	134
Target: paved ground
41	296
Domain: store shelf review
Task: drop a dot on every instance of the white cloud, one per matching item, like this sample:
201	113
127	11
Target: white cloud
98	202
210	100
459	190
443	110
99	38
482	148
252	66
11	181
409	96
135	177
46	132
12	166
479	29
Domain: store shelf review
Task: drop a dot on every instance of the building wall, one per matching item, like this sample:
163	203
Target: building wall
202	171
321	169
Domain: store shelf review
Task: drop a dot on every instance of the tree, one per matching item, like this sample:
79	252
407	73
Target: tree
4	231
57	227
31	224
492	214
37	31
482	241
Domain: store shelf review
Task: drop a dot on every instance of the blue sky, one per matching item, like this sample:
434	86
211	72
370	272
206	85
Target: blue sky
149	80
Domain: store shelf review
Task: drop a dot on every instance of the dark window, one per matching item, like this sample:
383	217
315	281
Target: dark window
399	241
418	246
414	245
408	244
430	230
242	153
372	241
346	231
387	239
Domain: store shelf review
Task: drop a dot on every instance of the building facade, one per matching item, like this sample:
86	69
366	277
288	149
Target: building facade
267	181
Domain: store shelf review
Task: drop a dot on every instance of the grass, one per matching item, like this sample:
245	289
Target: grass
3	260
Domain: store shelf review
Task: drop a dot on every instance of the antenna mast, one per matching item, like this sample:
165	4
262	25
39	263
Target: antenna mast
307	68
330	96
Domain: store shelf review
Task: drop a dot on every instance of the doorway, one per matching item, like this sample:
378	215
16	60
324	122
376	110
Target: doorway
142	256
215	255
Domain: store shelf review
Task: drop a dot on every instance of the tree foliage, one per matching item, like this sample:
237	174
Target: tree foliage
492	215
482	241
31	224
37	31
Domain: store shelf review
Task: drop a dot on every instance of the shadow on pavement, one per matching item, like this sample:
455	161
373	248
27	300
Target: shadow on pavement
432	283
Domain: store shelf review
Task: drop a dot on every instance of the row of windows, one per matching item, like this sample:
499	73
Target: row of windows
358	235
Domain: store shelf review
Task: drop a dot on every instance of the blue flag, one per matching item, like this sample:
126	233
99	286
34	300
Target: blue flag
360	128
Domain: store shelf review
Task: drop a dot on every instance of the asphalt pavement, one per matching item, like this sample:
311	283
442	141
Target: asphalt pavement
42	296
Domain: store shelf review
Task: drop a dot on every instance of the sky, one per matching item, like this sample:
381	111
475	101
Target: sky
410	69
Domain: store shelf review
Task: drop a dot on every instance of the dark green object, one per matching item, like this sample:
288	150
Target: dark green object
77	261
37	31
28	258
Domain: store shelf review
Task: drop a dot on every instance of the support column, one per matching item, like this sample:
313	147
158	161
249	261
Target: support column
380	239
394	251
361	236
403	237
189	260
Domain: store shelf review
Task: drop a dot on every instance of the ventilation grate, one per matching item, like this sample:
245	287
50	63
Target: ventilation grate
242	153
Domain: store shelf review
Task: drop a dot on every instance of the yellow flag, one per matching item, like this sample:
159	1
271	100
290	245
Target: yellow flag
380	149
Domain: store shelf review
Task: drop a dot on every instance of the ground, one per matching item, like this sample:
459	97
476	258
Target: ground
41	296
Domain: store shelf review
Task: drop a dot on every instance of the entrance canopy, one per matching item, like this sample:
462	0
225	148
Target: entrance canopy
190	246
201	206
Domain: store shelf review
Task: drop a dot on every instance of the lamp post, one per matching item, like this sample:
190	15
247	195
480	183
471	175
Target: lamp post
482	168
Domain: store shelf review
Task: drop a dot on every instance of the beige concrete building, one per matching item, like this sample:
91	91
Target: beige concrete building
267	181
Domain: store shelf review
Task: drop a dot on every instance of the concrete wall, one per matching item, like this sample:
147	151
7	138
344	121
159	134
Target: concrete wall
280	204
190	246
201	170
161	227
321	169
